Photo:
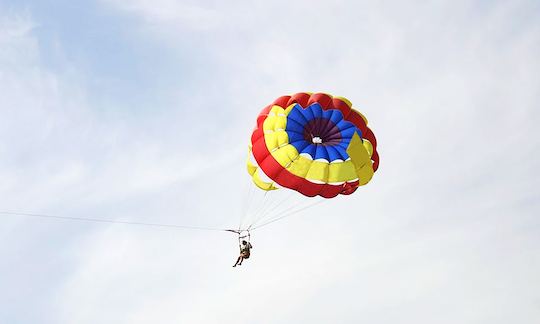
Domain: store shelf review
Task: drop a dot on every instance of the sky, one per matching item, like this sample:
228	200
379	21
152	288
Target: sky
142	110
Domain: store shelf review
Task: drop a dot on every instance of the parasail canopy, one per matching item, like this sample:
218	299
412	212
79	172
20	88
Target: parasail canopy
315	144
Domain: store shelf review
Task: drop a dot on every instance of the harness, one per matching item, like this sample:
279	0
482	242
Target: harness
242	234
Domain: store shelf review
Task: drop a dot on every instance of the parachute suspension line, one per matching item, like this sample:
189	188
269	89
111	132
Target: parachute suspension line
247	204
276	200
288	214
287	195
273	210
258	203
112	221
262	205
285	210
267	204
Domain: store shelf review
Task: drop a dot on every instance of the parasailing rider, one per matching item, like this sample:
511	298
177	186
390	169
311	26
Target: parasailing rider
245	250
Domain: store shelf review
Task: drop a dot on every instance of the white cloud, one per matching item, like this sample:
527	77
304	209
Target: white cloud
182	14
445	233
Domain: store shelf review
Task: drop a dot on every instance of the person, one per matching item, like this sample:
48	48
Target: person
245	251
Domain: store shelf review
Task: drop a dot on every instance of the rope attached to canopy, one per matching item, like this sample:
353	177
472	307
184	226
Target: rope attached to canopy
111	221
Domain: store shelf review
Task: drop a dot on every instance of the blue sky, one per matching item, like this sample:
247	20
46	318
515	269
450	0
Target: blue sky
141	110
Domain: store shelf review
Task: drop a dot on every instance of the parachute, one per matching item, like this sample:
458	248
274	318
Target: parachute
313	144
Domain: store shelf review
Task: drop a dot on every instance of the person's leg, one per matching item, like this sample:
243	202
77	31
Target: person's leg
237	260
241	258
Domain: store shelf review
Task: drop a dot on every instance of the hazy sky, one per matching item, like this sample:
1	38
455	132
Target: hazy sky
141	110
